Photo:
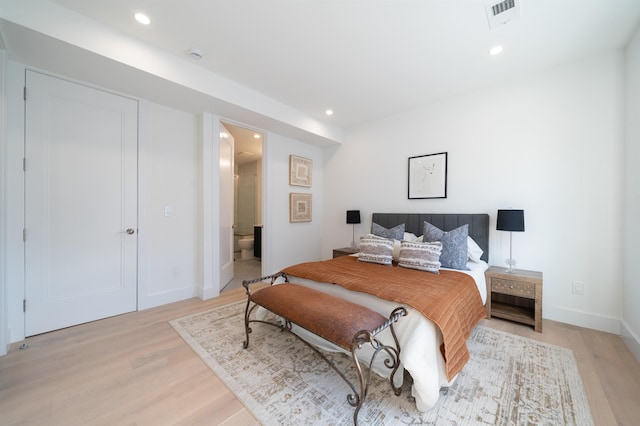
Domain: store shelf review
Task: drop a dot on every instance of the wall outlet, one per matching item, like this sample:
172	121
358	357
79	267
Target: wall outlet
577	288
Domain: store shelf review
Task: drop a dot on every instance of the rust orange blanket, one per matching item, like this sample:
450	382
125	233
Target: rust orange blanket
450	299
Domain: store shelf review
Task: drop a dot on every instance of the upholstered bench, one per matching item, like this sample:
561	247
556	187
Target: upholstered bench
343	323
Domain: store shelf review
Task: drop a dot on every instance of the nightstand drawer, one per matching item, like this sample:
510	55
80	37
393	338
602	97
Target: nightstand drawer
515	288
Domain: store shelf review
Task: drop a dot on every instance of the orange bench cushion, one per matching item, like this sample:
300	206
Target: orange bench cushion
337	320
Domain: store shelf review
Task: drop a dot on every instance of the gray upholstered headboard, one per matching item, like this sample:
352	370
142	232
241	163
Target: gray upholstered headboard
478	224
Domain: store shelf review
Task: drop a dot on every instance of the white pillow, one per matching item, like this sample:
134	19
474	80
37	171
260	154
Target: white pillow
396	250
408	236
474	252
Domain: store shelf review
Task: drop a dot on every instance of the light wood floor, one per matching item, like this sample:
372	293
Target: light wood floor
134	369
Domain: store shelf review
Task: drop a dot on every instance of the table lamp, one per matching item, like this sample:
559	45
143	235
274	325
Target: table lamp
512	221
353	217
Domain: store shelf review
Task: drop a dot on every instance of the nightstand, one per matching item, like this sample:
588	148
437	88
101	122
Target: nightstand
344	251
515	297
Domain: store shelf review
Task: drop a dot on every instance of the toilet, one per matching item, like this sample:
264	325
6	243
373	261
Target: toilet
246	247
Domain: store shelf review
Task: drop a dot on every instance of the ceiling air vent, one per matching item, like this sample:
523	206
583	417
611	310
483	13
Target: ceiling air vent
502	12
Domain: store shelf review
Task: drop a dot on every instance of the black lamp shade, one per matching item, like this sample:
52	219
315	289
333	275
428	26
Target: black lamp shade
510	220
353	216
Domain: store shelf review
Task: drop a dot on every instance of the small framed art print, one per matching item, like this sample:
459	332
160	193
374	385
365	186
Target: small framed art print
428	176
299	207
300	171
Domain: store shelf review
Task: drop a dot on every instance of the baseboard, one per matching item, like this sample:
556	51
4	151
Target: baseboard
158	299
208	293
582	319
632	341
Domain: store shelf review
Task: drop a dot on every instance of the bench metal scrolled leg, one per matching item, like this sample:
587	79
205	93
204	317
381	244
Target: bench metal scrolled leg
249	309
247	329
395	316
357	399
392	361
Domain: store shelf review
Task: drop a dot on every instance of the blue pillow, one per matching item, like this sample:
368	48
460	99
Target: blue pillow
396	233
454	245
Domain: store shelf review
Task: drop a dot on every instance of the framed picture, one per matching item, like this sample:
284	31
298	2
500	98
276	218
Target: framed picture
300	171
428	176
299	207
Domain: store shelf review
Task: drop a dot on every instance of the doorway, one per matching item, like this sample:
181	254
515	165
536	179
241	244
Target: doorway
247	200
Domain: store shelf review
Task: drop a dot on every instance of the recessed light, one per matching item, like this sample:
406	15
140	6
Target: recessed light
142	18
496	50
329	112
256	136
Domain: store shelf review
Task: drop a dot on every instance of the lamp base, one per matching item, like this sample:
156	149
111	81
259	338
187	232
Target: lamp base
512	266
353	238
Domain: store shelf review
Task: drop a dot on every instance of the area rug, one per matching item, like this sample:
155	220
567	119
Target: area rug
510	380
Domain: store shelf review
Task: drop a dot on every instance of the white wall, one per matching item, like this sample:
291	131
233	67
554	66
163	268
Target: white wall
631	289
549	143
168	175
173	146
246	196
288	243
259	197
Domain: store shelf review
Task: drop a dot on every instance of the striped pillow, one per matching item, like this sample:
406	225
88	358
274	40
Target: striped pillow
422	256
376	250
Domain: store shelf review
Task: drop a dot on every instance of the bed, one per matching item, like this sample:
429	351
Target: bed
423	348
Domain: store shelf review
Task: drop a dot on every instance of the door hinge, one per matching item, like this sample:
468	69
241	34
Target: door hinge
24	234
24	93
24	305
24	164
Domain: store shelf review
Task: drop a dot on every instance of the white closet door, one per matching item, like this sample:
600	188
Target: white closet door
81	149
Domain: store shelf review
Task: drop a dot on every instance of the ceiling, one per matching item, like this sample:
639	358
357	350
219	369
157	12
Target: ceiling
367	59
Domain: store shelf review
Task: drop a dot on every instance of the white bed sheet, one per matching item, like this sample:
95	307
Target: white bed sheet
419	339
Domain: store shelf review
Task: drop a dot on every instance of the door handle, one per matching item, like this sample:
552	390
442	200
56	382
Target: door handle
130	231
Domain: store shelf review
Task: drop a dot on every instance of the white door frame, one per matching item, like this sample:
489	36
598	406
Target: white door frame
209	142
4	335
